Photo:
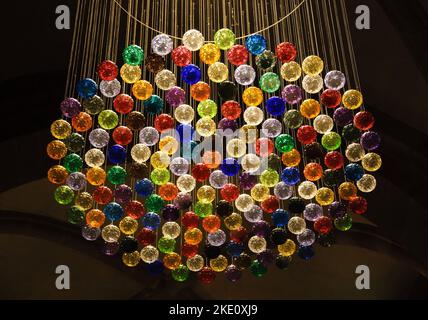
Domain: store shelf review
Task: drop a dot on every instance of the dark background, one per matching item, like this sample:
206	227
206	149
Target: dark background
391	239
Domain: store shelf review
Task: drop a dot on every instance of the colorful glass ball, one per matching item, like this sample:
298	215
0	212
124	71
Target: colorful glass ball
237	55
255	44
191	74
107	70
224	38
286	52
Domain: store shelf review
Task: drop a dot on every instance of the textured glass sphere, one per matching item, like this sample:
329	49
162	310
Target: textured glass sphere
191	74
291	158
95	218
371	162
96	176
331	141
176	95
140	153
205	126
224	38
257	244
313	65
131	259
203	209
133	55
73	162
312	212
110	233
212	159
325	196
343	223
64	195
291	71
171	230
347	190
193	40
56	149
307	190
162	44
82	122
293	119
335	80
233	221
367	183
160	176
306	238
166	245
95	105
99	138
130	74
94	158
60	129
284	143
217	238
269	178
108	119
193	236
288	248
207	108
86	88
237	55
179	166
254	214
310	108
184	114
255	44
149	254
218	72
272	128
245	75
260	192
323	124
312	84
248	133
76	181
266	60
252	96
209	53
172	260
180	274
110	89
160	160
236	148
282	191
84	200
269	82
218	179
219	264
352	99
253	116
128	225
296	225
165	80
186	183
70	107
195	263
244	203
149	136
355	152
206	194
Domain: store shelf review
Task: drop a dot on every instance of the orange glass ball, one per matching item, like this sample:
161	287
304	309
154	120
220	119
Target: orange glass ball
212	159
193	236
96	176
95	218
200	91
56	149
347	191
310	108
168	191
172	260
82	122
211	223
57	174
313	171
292	158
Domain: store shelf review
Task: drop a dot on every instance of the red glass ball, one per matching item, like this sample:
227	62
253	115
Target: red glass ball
239	235
237	55
190	220
286	52
164	122
230	192
201	172
270	204
206	275
123	103
323	225
364	120
102	195
108	70
181	56
231	110
122	135
189	250
146	237
306	135
334	160
358	205
331	98
264	147
134	209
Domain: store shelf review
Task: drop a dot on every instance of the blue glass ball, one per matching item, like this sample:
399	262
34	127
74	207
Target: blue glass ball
275	106
354	172
185	132
255	44
191	74
153	105
144	187
156	268
116	154
306	253
234	249
230	167
186	149
290	176
113	211
280	218
87	88
151	220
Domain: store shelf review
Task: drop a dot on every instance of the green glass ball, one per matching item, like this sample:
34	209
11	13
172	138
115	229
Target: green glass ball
207	108
258	269
116	175
269	82
75	215
331	141
133	55
269	178
224	38
166	244
344	223
266	60
154	203
160	176
274	162
284	143
64	195
75	142
108	119
94	105
203	209
73	162
180	274
293	119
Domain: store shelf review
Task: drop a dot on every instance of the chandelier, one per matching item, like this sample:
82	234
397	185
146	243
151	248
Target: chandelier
212	155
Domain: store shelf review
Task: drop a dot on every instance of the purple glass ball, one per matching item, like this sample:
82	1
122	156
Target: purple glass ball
343	116
228	126
89	233
337	210
123	194
175	96
370	140
266	257
170	212
292	94
312	211
233	273
111	248
76	181
183	201
70	107
247	180
261	229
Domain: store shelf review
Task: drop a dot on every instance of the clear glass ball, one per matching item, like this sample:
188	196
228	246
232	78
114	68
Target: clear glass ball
250	162
291	71
307	190
257	244
171	229
140	153
335	80
323	124
162	44
253	116
296	225
217	238
218	72
255	214
184	114
195	263
99	138
367	183
355	152
179	166
218	179
165	80
110	89
94	158
244	203
282	191
312	84
149	254
245	75
110	233
193	40
186	183
149	136
272	128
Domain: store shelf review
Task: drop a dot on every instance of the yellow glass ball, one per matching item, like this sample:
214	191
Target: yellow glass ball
110	233
206	194
269	178
142	90
372	162
172	260
130	74
209	53
288	248
94	158
219	264
140	153
171	229
96	176
218	72
84	200
367	183
248	133
260	192
57	175
355	152
244	203
95	218
312	84
193	236
324	196
60	129
56	149
296	225
257	244
307	190
184	114
195	263
160	160
292	158
165	79
186	183
291	71
253	116
310	108
205	127
252	96
149	254
169	145
233	221
313	65
131	259
250	162
352	99
347	190
128	225
236	148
